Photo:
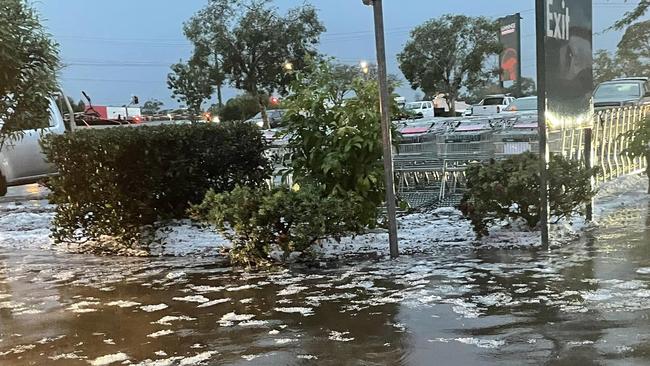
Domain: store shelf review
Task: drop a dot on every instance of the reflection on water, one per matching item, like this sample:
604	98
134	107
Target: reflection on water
587	303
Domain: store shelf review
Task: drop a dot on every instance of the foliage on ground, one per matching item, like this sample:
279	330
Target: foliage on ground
509	190
259	221
121	182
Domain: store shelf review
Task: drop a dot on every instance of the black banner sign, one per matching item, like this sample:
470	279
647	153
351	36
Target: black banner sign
568	62
510	37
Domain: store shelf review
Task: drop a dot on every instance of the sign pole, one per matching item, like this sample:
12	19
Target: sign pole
589	209
519	77
540	25
384	105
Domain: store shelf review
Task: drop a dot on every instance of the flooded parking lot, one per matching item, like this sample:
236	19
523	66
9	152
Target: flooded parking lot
587	303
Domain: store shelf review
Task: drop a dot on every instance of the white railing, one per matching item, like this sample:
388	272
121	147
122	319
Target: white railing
609	140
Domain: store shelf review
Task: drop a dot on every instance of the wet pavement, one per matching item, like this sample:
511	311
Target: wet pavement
584	304
25	193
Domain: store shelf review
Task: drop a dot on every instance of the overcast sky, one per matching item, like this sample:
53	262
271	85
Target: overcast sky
118	48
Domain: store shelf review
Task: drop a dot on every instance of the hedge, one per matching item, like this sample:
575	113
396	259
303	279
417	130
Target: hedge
120	182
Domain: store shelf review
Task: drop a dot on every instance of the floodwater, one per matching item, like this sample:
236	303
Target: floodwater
587	303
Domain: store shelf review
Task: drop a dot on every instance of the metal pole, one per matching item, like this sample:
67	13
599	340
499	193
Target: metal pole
384	105
540	20
73	123
587	153
518	87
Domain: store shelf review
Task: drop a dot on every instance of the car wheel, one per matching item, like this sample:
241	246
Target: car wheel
3	185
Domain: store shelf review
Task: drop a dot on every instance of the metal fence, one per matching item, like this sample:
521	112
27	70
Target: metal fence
430	172
608	141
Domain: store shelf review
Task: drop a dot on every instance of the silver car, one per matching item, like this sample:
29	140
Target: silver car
22	161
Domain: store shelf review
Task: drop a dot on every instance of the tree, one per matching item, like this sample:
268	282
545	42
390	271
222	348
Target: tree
189	85
206	56
76	107
239	108
256	44
606	67
528	88
343	77
28	65
448	54
633	15
632	56
152	106
336	143
633	51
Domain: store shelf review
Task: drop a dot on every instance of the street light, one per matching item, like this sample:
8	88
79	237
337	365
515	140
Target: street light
288	66
384	106
365	68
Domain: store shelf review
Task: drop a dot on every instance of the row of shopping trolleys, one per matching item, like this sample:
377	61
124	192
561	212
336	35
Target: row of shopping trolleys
472	139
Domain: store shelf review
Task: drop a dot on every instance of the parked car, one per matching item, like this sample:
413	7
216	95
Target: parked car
492	104
274	115
522	106
622	92
22	161
420	109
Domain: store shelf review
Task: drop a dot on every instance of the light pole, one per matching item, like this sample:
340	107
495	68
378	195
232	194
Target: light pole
384	106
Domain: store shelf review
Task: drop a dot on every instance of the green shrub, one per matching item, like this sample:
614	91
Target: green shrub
334	141
639	143
118	182
509	190
258	220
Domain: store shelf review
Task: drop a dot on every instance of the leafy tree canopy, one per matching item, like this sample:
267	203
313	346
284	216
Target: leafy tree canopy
634	49
255	43
76	106
449	53
633	15
632	57
152	106
189	85
240	108
28	65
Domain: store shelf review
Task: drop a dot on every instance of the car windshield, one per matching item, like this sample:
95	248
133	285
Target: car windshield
493	101
618	90
412	106
257	116
523	104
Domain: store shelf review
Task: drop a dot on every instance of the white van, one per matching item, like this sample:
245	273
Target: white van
22	161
